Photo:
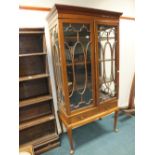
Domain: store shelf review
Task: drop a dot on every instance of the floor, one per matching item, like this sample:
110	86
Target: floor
98	138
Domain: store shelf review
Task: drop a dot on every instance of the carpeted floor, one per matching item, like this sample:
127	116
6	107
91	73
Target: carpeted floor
98	138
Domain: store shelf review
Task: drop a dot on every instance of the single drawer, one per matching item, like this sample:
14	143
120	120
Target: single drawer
84	115
108	105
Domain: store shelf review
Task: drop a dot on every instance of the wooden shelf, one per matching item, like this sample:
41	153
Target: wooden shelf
34	100
79	63
36	142
106	81
75	37
34	122
104	38
31	31
32	54
32	77
106	60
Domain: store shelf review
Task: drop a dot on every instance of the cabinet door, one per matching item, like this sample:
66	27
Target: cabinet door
79	57
106	61
56	58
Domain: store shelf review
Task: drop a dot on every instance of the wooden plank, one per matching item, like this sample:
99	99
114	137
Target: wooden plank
48	146
33	77
32	54
35	100
127	18
37	121
34	8
31	30
38	141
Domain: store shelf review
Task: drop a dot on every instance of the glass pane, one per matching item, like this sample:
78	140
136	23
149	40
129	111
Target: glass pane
57	66
78	59
106	49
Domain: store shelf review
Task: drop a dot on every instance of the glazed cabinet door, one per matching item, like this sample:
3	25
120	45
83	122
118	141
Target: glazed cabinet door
106	61
79	60
57	66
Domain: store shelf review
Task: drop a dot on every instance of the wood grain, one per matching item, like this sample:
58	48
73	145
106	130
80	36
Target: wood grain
37	126
34	8
35	122
94	17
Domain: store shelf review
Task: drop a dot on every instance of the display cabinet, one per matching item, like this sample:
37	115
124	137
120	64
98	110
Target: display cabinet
37	123
85	53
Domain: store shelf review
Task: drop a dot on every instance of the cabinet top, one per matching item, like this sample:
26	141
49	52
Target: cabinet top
68	9
31	30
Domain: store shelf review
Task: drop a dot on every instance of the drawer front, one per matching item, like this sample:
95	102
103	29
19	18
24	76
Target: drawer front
102	107
84	115
108	105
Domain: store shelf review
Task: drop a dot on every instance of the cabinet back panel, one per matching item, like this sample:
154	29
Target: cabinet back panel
34	111
31	65
34	88
30	43
36	132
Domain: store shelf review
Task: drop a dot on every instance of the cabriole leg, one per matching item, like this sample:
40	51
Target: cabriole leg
115	121
69	132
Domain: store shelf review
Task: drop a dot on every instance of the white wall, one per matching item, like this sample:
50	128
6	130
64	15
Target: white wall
32	18
127	31
125	6
38	19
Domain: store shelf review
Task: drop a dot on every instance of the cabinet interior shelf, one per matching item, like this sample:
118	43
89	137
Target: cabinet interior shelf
32	54
79	63
35	100
88	37
32	77
37	121
40	140
102	81
106	60
75	37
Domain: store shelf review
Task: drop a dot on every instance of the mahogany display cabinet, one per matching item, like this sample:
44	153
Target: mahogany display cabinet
37	123
85	53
